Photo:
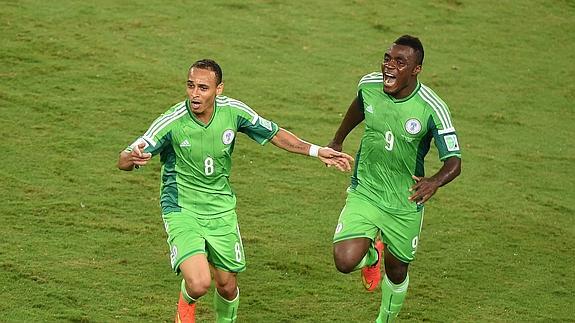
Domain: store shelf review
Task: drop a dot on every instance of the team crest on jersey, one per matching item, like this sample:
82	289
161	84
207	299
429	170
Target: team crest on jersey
413	126
228	136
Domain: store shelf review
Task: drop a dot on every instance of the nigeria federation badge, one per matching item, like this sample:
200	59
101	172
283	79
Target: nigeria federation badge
228	137
413	126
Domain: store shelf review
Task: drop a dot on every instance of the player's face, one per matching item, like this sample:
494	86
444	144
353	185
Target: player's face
202	90
400	71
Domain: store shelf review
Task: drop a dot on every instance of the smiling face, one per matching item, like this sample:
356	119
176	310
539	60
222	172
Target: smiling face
202	89
400	69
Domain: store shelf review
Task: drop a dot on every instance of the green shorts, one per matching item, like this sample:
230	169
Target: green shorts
361	218
218	238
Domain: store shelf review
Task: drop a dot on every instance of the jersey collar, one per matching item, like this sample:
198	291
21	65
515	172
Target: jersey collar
417	87
195	119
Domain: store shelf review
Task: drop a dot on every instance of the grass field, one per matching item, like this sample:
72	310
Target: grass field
81	241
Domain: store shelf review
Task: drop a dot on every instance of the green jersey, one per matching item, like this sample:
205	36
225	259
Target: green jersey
196	157
397	137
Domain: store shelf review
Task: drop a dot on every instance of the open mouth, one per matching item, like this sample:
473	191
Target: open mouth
195	104
389	79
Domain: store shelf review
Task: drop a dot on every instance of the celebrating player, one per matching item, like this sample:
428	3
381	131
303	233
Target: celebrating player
195	140
388	187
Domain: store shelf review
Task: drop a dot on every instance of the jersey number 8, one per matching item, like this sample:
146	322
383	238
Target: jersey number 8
238	250
209	166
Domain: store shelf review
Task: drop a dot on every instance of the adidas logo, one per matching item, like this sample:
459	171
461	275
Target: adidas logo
369	109
185	143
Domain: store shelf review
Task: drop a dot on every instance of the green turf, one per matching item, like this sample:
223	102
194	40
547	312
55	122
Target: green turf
81	241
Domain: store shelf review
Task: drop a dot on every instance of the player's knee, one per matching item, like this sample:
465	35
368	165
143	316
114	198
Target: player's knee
343	264
227	290
348	253
396	274
344	268
198	288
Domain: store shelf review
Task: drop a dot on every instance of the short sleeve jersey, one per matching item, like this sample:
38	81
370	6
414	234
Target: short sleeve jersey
196	157
397	137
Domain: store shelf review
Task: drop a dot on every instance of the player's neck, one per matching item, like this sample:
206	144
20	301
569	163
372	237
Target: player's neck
205	116
406	91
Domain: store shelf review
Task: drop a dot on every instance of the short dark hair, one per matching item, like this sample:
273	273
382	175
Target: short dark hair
413	42
210	65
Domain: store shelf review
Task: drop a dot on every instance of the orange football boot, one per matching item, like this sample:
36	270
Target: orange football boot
186	312
371	275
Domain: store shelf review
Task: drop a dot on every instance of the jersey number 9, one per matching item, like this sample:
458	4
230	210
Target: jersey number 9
389	140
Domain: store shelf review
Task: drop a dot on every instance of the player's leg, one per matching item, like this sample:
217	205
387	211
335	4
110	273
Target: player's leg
188	257
197	278
393	288
226	255
401	234
352	254
195	284
354	242
226	296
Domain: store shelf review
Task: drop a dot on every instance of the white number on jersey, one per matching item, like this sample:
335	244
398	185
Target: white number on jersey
209	166
414	242
238	249
389	140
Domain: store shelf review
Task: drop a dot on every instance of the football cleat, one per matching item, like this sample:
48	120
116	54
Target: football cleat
186	312
371	275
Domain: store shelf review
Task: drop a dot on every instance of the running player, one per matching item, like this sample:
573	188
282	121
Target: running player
195	140
388	186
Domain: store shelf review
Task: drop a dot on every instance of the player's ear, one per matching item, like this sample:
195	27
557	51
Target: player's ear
416	70
220	88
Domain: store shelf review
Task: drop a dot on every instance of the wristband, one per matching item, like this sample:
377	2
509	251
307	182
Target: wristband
314	150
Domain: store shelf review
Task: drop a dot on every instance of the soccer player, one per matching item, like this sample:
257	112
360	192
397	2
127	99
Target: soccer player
195	139
388	186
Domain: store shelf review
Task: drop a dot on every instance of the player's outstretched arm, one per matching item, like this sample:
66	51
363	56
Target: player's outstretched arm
290	142
425	187
353	117
135	157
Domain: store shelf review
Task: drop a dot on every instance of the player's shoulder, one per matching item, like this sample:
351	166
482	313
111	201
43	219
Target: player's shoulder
176	108
174	112
234	106
428	95
375	78
431	98
167	120
437	107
